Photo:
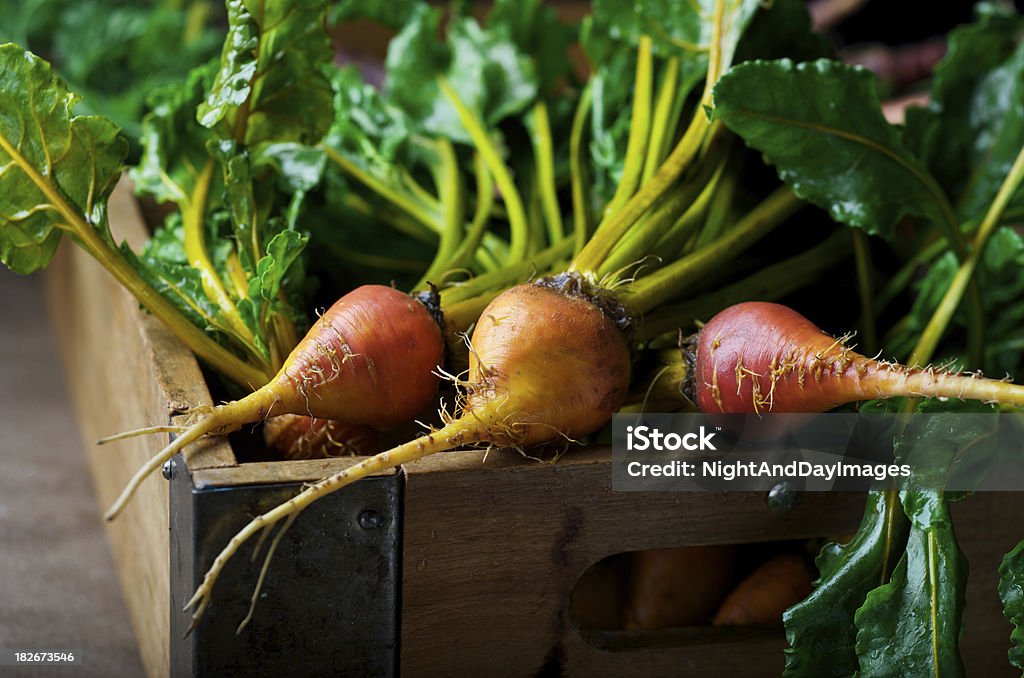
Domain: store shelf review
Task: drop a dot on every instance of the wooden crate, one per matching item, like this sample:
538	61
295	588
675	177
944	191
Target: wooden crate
489	549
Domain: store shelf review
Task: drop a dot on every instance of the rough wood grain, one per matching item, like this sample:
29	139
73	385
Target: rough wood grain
268	472
492	553
124	372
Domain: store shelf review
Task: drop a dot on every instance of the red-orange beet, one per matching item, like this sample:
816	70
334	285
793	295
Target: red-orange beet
369	360
299	436
548	362
763	357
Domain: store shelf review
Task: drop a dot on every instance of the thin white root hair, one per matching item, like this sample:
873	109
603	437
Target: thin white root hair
618	278
650	387
259	543
472	350
443	413
263	571
445	375
194	433
198	410
839	341
454	435
148	430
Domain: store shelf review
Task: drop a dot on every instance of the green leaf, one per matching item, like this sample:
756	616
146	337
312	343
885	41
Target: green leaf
299	168
266	248
56	170
167	242
911	626
270	86
249	311
367	130
249	199
282	251
611	109
537	31
165	267
680	29
944	448
26	21
392	13
252	194
416	57
973	126
1001	275
173	142
1011	592
820	629
374	142
124	58
820	123
492	77
781	29
240	199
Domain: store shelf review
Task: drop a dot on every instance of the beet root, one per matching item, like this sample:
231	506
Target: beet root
547	364
369	360
759	357
299	436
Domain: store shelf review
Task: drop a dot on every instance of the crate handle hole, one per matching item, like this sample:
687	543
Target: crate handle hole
694	593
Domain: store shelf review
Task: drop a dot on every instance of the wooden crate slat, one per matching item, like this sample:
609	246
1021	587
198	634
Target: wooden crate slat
125	371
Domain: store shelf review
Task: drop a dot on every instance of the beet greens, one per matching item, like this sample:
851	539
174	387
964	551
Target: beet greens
478	156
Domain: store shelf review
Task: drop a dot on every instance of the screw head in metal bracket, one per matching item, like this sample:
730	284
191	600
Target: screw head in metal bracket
370	519
169	469
783	498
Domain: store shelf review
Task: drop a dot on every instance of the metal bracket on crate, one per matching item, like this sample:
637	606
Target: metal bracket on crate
330	602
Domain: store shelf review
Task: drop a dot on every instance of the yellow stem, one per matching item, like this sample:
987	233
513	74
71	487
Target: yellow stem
194	220
237	275
951	300
520	238
545	161
679	159
662	115
89	237
580	195
639	129
424	214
